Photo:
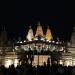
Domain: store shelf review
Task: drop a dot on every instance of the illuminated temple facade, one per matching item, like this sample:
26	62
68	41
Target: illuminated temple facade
41	45
37	49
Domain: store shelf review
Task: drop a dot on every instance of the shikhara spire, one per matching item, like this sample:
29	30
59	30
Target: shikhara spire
73	38
30	34
39	31
48	34
3	33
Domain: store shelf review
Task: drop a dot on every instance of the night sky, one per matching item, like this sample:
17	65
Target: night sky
18	15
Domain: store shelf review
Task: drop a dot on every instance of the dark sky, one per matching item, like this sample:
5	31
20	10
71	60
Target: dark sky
18	15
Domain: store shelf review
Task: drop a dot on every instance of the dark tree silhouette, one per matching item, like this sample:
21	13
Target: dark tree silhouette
55	56
30	56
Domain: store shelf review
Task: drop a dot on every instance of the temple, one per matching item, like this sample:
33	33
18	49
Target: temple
37	49
40	45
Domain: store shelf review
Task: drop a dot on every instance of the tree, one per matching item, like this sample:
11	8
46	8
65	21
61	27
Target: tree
30	56
55	56
22	55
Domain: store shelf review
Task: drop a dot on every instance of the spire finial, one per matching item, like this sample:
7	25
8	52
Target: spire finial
30	27
74	28
48	26
3	27
38	23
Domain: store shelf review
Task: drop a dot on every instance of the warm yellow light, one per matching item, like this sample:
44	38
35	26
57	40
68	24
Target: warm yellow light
49	41
15	62
20	41
67	63
40	60
61	62
39	30
8	63
48	34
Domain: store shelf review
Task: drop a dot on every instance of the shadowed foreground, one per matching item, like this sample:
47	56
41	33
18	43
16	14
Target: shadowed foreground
40	70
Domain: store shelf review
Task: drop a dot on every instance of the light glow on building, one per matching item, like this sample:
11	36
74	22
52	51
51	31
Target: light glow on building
8	63
41	46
